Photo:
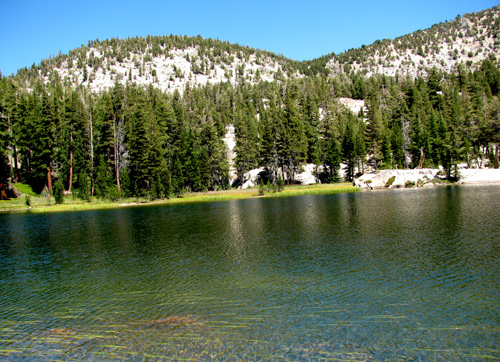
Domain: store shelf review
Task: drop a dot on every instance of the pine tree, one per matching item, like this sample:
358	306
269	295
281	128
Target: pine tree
375	130
39	140
246	145
213	158
293	143
83	186
104	178
331	151
312	125
6	141
137	143
269	141
352	146
59	192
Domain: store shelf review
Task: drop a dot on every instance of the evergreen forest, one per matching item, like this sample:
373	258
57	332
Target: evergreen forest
140	141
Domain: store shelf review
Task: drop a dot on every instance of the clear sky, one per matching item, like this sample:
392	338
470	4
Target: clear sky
31	30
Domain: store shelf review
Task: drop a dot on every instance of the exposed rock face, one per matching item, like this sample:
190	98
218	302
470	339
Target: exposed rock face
354	105
252	178
480	176
230	142
306	177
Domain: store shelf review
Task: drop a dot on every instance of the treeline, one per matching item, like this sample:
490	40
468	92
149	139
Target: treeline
133	141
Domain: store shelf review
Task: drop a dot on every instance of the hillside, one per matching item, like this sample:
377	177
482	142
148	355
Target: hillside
466	40
166	62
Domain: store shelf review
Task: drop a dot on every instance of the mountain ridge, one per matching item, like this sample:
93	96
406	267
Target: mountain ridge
168	62
174	62
467	39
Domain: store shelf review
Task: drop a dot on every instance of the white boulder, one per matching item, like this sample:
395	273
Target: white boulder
379	179
307	176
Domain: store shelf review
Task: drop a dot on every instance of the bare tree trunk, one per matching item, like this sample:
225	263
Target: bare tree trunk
16	165
70	186
14	150
405	128
422	158
49	178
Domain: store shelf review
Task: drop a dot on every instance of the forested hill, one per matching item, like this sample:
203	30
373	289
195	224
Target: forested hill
172	62
466	40
167	62
149	116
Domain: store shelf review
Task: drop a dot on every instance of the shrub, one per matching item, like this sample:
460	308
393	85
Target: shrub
24	189
270	187
409	183
390	181
45	192
59	192
280	184
262	188
455	175
83	191
274	188
112	193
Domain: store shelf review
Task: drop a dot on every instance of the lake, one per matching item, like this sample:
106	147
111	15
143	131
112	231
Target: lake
373	276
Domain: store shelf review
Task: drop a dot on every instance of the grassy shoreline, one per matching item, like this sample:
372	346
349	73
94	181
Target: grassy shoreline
43	205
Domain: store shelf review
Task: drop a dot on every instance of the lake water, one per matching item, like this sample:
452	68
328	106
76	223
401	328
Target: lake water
373	276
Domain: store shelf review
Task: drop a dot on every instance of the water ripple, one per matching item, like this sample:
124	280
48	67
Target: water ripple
373	276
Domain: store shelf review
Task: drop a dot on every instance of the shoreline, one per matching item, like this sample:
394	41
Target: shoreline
371	181
42	206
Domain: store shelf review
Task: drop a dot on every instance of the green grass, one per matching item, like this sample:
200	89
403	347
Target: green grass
24	189
41	204
317	189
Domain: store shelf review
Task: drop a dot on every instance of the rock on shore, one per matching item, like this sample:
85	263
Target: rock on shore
422	177
480	176
381	179
306	176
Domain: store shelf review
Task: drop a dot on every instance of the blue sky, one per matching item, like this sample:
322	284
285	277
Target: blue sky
31	30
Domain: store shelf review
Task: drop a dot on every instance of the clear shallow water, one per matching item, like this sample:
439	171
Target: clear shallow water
390	275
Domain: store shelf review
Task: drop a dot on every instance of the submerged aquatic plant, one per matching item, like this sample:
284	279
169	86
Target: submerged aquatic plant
172	320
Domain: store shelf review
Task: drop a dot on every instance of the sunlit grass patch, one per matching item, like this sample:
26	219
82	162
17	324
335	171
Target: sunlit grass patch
42	204
318	190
